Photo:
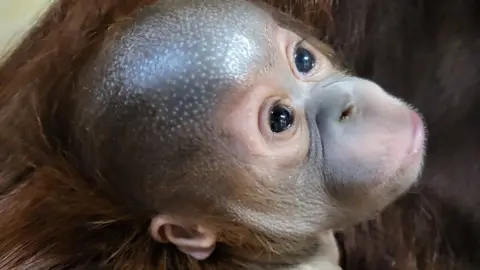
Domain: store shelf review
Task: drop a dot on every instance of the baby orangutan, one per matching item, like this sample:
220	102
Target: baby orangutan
222	138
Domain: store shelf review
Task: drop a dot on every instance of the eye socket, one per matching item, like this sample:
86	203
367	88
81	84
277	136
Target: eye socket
304	59
281	118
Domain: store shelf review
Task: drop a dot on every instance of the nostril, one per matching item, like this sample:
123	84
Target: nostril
347	112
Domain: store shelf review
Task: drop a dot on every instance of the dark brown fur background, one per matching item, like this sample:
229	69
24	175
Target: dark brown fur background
428	53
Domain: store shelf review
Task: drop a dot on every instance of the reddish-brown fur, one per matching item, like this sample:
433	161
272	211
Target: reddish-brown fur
49	218
426	52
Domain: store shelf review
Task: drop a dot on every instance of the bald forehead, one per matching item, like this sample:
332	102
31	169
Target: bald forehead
216	43
164	73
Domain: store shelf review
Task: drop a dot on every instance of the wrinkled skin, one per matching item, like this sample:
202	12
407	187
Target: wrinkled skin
235	135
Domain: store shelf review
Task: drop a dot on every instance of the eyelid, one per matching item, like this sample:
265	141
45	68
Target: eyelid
297	44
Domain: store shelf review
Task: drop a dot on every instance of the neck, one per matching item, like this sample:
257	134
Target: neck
321	253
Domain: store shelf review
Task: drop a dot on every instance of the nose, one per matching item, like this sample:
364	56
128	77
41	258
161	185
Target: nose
335	100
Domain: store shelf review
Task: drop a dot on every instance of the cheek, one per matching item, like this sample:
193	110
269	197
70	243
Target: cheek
292	152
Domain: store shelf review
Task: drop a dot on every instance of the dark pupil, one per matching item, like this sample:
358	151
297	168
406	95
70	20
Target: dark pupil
304	60
281	118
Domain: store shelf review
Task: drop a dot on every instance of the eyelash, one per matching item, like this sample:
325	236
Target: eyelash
298	44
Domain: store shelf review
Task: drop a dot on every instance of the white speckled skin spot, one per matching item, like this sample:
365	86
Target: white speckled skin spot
150	97
178	59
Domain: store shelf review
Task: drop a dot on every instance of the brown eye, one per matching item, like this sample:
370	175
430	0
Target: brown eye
281	118
304	60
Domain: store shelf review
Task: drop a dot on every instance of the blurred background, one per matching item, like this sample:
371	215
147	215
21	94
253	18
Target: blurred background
15	17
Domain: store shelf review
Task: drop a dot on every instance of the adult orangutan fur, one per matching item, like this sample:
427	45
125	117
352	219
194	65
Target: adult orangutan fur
138	136
427	52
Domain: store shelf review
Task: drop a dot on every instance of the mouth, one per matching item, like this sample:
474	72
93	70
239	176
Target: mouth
418	135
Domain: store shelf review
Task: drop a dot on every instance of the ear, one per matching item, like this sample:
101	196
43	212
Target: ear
196	241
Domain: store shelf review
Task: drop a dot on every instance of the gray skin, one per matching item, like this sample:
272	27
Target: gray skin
175	115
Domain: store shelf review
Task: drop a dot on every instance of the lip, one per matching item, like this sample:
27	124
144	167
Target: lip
418	135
